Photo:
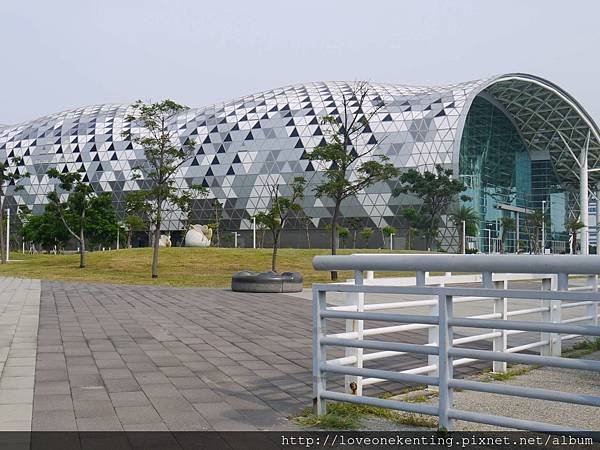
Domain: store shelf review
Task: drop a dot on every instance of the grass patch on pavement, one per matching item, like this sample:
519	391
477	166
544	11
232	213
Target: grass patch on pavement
178	266
583	348
347	416
511	372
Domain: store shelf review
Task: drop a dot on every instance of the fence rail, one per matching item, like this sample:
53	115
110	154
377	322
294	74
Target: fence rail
442	351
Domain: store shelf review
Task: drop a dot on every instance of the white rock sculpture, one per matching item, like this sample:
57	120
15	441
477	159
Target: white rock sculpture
165	241
198	236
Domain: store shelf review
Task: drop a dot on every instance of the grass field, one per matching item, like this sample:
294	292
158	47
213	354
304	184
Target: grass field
199	267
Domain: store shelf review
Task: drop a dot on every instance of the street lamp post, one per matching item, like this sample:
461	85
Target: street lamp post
254	232
391	241
584	170
489	232
464	237
598	219
7	234
543	226
583	199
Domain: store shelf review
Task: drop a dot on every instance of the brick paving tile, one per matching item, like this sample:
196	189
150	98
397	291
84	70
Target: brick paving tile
158	358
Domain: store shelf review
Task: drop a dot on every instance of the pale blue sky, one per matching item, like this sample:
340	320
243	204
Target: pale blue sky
62	54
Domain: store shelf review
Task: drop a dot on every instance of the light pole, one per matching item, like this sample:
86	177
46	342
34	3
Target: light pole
253	231
489	232
391	241
235	235
597	219
583	198
464	237
7	234
584	170
543	227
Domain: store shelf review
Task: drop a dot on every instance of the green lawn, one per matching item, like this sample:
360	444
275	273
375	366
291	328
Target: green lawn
200	267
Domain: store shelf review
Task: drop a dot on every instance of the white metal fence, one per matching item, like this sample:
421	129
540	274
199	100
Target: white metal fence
483	244
442	348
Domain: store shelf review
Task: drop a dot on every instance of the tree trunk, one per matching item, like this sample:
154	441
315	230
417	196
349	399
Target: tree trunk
334	219
307	236
274	255
81	252
428	238
155	245
82	241
2	240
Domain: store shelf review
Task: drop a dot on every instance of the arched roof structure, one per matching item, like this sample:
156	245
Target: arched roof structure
247	144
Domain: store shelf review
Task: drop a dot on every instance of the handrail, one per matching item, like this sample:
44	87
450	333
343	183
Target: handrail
575	264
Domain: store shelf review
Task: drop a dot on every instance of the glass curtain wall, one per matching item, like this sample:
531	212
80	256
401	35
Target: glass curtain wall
505	186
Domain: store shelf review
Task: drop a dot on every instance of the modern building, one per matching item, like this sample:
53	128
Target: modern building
515	140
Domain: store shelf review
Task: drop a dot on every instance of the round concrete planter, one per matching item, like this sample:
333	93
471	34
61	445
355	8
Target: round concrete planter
246	281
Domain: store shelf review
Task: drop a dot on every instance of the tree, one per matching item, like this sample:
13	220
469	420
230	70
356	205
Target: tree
101	226
466	217
280	210
534	222
261	230
164	155
354	224
217	216
413	219
137	214
343	234
508	225
437	190
46	230
186	201
10	174
74	210
306	220
573	225
132	224
344	154
366	234
389	231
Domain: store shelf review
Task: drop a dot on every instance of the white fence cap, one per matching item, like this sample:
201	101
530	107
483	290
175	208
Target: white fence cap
573	264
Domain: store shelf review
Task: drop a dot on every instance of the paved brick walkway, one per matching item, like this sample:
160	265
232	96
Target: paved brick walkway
19	310
104	357
145	358
112	357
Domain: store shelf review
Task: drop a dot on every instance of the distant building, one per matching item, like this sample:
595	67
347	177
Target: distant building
511	138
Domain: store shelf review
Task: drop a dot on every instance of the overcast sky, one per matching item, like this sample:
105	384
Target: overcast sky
61	54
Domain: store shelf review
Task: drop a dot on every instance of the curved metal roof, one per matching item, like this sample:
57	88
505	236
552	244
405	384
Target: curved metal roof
550	120
245	144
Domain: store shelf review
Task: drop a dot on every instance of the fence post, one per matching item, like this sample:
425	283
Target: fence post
562	284
548	284
592	309
353	384
500	343
319	353
420	278
433	338
445	362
